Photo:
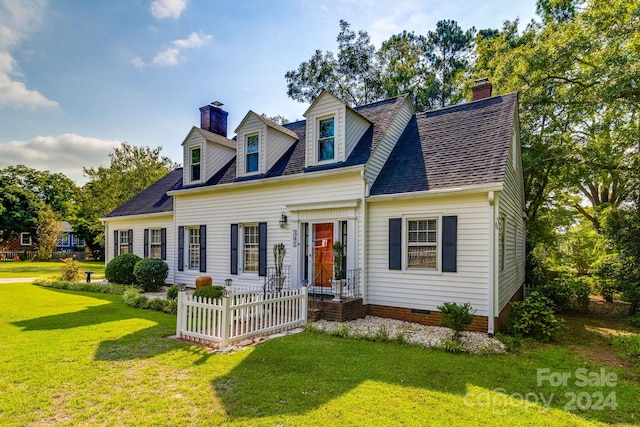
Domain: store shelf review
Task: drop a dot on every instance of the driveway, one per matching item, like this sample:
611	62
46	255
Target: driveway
16	279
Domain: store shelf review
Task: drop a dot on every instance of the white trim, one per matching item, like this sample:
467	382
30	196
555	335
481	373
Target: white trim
245	136
323	204
493	260
481	188
201	164
260	182
405	243
242	274
316	141
136	216
30	239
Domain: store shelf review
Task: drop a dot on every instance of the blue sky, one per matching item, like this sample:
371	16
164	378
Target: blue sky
78	77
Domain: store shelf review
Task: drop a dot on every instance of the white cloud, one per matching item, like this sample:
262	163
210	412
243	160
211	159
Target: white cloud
161	9
167	57
66	154
170	56
17	18
193	41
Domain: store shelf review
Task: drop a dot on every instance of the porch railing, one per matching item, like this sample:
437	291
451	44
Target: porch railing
350	286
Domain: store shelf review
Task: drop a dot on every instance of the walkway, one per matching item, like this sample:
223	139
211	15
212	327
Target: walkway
16	279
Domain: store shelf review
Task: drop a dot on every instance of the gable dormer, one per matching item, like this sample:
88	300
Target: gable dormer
206	149
333	130
261	142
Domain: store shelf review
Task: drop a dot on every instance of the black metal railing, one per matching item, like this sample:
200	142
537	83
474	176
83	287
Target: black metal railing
349	287
277	280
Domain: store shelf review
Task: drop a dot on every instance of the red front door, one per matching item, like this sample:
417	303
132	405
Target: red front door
322	240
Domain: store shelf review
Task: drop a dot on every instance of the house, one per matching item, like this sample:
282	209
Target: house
429	206
69	240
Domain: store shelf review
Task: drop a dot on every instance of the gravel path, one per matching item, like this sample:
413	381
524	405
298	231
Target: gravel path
427	336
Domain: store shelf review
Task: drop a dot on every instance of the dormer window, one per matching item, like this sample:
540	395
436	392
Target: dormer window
326	139
252	156
195	164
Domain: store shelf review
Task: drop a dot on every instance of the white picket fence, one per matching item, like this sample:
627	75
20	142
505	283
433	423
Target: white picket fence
240	316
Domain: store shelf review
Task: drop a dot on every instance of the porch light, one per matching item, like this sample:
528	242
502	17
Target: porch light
227	287
283	220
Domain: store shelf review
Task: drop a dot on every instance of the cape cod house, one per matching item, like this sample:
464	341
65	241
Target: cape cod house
428	206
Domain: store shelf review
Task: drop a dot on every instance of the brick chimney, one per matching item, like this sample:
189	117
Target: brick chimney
482	89
213	118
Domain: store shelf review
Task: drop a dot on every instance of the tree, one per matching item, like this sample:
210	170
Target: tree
450	51
352	75
48	231
54	189
406	69
131	170
18	209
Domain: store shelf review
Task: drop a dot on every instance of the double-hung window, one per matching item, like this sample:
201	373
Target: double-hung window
250	248
124	242
253	156
195	164
25	239
194	249
326	139
155	243
63	240
422	244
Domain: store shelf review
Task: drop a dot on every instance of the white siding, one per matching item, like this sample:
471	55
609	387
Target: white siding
138	224
277	144
427	290
388	142
213	156
326	105
511	205
356	126
263	202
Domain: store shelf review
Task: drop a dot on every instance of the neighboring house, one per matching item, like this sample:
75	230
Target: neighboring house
429	206
69	240
19	242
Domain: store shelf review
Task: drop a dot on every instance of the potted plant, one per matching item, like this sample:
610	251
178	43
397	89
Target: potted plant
279	251
337	282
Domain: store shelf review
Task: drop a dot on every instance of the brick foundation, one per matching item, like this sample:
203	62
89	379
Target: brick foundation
349	309
423	317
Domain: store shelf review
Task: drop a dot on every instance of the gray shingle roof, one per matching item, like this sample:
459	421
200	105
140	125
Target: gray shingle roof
459	146
153	199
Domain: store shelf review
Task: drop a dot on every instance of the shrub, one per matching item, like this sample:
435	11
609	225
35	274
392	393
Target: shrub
635	320
151	273
70	270
172	292
631	294
213	292
452	345
82	286
559	293
580	290
120	269
534	317
133	298
456	317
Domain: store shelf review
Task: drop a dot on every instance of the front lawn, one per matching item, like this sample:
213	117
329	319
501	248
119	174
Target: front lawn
35	269
75	358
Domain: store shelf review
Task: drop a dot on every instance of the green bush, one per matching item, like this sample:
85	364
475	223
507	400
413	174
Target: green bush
151	273
133	298
631	294
559	293
534	318
608	269
120	269
580	291
70	270
82	286
635	320
213	292
456	317
172	292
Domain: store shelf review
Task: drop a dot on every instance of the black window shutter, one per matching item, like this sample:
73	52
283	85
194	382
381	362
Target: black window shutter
203	248
449	243
163	243
234	248
130	241
181	248
116	242
395	243
146	243
262	249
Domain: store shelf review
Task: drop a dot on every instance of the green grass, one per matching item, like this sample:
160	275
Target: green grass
35	269
74	358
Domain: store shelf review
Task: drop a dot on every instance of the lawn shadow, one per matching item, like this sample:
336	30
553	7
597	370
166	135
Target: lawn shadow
142	344
293	375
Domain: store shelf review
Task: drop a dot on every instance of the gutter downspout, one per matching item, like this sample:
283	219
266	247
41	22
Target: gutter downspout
364	220
492	260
